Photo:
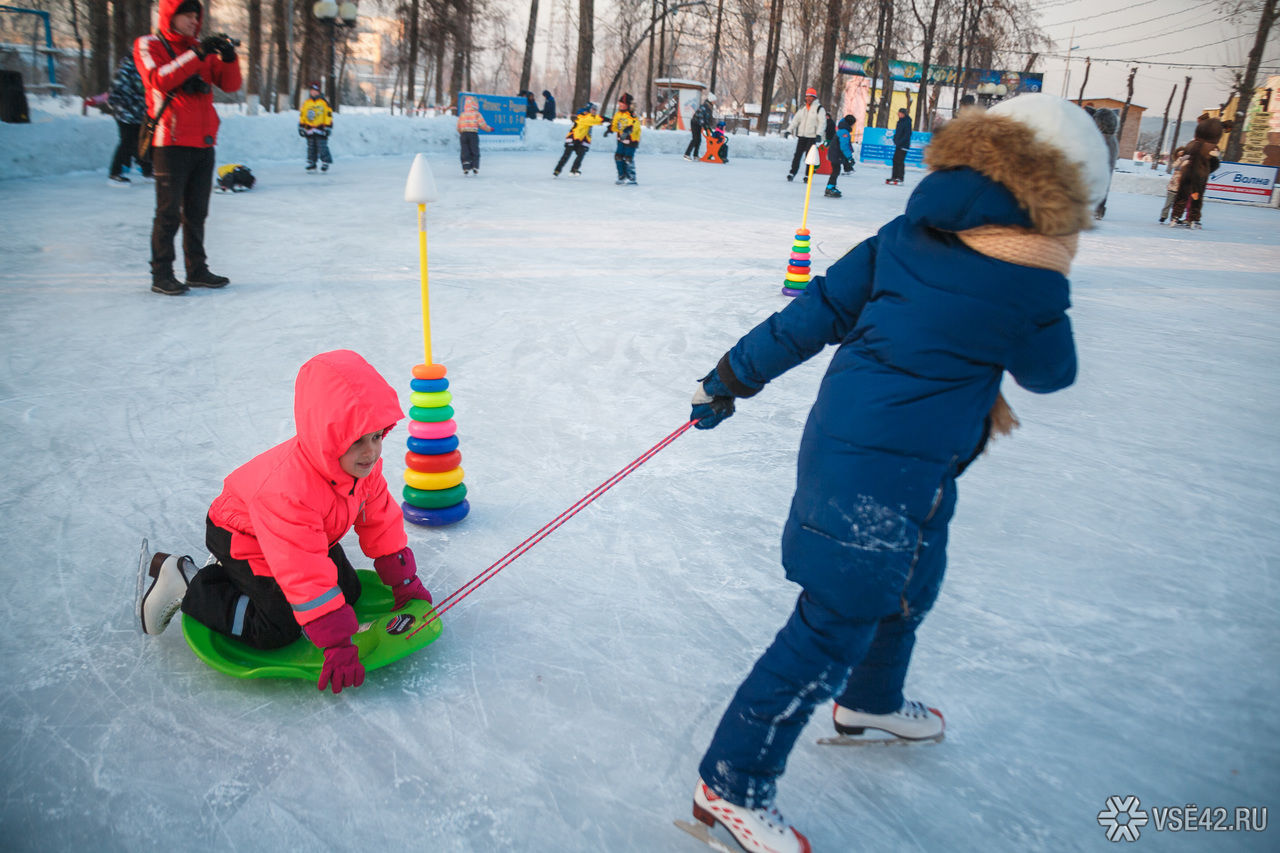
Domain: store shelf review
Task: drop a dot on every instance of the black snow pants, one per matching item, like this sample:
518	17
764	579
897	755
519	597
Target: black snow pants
184	179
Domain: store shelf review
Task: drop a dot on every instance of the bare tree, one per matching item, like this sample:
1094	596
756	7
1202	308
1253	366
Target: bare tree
280	36
1088	65
99	45
586	49
526	69
415	14
830	35
255	48
770	63
1266	21
1124	114
930	30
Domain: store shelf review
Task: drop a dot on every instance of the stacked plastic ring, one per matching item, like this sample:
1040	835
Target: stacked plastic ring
434	494
798	265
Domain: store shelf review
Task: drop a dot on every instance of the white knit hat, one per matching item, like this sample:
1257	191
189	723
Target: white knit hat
1068	128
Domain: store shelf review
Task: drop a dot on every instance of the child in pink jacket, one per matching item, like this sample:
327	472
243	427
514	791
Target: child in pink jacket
278	570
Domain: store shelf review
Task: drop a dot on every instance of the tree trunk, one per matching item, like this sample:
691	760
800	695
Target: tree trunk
1235	143
877	63
830	36
459	50
586	51
770	63
100	47
930	30
648	78
119	31
886	100
411	71
254	86
1177	128
715	47
1164	125
280	35
526	70
955	91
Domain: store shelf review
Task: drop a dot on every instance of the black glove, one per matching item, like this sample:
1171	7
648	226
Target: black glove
326	131
302	131
712	402
208	45
227	52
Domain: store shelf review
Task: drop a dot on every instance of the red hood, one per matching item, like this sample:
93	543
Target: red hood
337	398
167	9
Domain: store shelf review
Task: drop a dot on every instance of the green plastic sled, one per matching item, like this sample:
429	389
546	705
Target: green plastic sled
384	638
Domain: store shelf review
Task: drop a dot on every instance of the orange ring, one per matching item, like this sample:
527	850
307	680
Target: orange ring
429	371
433	463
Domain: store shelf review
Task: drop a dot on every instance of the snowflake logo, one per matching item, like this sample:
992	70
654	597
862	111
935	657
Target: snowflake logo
1123	818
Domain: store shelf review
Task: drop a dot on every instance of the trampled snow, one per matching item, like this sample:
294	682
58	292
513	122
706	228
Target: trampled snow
1109	626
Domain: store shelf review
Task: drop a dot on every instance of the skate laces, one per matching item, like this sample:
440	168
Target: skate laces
912	708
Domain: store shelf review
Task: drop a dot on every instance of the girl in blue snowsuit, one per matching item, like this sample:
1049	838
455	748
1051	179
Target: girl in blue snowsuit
927	316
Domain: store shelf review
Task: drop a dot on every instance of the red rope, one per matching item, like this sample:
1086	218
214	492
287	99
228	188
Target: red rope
510	557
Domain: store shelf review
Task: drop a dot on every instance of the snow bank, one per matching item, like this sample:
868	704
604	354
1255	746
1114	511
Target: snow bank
56	142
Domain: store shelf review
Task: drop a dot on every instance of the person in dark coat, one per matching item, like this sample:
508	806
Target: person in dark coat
548	105
901	143
702	120
530	104
926	316
1108	122
127	100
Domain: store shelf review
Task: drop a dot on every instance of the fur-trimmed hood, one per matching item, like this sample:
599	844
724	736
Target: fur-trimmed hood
1107	121
1045	151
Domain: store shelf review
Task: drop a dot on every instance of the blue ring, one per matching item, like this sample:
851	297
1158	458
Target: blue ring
435	517
793	262
428	385
429	446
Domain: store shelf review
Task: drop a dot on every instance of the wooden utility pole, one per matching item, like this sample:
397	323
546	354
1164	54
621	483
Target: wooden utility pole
1235	143
1124	114
1155	161
1177	128
1088	65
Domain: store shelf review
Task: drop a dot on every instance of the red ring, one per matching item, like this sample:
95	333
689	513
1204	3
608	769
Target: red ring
433	463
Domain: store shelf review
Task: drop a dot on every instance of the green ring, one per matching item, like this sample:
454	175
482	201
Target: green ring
430	399
435	498
430	416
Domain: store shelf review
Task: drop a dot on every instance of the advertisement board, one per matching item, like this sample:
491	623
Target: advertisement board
877	146
503	113
1242	182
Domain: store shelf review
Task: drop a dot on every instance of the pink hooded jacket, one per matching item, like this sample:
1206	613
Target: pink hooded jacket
287	507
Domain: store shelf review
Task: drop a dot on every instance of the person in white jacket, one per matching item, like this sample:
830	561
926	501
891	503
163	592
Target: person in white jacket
807	124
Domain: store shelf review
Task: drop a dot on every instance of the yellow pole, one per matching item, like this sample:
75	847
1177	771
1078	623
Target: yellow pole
422	262
804	221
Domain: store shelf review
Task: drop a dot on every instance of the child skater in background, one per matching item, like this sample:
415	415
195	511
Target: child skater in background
1171	191
278	570
470	123
927	316
627	127
315	123
578	140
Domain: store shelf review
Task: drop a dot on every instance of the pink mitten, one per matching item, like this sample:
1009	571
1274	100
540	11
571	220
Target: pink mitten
400	572
332	632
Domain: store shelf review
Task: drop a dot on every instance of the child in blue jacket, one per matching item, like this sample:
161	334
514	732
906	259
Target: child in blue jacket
927	316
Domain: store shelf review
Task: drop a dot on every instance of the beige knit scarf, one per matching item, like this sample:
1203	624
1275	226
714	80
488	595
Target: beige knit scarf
1026	248
1022	246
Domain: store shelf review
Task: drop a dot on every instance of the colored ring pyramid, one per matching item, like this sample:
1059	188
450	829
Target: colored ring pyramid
434	494
798	265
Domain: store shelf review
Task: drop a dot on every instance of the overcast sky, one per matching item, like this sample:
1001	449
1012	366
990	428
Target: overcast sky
1143	32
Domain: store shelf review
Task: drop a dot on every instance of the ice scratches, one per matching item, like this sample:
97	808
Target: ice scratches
871	525
250	777
474	819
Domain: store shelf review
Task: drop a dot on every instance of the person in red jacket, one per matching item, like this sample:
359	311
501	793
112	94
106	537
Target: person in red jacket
178	71
278	568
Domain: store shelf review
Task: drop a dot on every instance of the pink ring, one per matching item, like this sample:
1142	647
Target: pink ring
442	429
796	256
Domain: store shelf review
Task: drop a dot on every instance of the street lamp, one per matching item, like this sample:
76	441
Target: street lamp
335	15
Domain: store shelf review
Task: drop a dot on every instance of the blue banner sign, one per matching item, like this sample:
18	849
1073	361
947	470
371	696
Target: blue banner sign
503	113
877	146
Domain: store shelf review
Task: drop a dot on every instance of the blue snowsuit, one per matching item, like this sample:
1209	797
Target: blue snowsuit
925	328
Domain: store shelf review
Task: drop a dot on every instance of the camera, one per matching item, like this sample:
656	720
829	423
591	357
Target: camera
194	85
228	39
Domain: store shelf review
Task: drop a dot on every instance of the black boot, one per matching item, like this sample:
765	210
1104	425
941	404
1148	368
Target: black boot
168	285
205	278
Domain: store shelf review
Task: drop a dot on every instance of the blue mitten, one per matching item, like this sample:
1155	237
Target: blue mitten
712	402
